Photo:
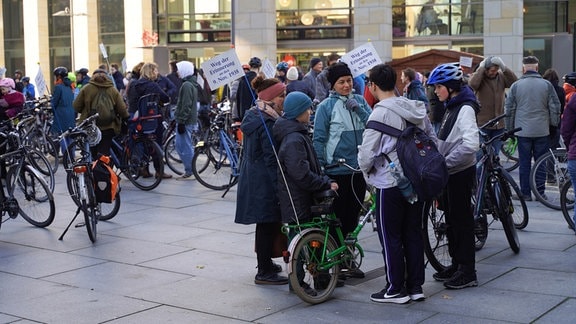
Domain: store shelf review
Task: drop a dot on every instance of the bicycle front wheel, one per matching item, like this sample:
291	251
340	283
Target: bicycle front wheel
501	200
567	202
171	156
144	154
43	143
107	211
311	283
212	168
42	165
434	233
35	200
517	208
547	176
89	208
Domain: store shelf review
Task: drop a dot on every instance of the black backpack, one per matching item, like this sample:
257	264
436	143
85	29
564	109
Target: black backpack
148	114
421	162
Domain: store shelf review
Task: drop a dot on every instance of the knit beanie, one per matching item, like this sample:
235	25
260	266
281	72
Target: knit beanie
337	70
185	69
314	61
295	104
292	74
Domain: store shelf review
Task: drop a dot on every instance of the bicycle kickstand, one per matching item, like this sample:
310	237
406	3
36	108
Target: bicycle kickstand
70	224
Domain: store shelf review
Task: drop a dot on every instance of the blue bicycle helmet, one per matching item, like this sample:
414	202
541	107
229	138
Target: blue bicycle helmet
445	73
282	66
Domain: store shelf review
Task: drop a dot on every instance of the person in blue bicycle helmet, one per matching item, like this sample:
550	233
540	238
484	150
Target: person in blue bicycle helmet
281	70
458	141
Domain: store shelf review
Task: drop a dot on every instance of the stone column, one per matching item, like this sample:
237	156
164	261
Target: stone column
373	22
504	31
36	41
255	28
138	18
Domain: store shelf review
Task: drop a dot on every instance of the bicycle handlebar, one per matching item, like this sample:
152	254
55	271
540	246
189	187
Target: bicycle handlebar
79	126
492	122
504	136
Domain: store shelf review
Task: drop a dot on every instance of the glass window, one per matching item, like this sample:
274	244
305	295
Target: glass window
313	19
545	17
13	37
59	26
111	18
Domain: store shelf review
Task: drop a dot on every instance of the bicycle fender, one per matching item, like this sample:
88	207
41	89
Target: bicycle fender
295	241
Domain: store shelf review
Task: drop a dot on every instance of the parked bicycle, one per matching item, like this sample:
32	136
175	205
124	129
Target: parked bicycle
509	154
216	162
492	195
25	193
314	256
80	178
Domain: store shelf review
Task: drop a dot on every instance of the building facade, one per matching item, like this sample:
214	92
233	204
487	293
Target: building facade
86	33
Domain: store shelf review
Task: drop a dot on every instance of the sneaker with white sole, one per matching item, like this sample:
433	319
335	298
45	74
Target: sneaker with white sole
384	297
416	294
462	280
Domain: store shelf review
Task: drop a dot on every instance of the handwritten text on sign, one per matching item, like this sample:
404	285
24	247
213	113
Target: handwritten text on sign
361	59
222	69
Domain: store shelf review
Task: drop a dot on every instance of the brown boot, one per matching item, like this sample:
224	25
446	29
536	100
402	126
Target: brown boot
164	175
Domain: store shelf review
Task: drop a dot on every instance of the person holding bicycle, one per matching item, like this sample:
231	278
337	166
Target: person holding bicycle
257	200
301	174
61	101
568	132
398	221
339	123
458	141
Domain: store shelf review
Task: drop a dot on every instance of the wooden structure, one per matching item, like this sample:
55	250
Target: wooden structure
428	60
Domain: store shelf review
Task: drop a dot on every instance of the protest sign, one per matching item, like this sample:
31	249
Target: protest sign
222	69
361	59
268	69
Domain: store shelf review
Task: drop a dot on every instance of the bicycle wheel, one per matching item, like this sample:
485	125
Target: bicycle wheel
171	156
42	165
567	202
138	159
434	233
35	200
509	154
547	176
212	168
501	200
309	282
107	211
89	208
43	143
517	208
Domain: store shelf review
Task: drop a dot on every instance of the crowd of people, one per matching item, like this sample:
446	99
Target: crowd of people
446	103
283	166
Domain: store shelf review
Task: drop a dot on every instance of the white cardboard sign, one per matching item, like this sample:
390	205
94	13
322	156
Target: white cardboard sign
222	69
268	69
466	61
361	59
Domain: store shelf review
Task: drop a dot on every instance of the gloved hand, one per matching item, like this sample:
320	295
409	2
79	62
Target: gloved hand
483	63
352	105
181	128
498	61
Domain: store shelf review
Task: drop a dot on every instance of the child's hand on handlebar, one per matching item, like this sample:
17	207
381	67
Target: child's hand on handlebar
334	186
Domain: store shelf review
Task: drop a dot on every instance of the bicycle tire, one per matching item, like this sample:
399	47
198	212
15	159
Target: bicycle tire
212	169
43	143
567	199
148	153
171	157
42	165
518	208
509	154
310	284
88	207
434	233
501	200
551	177
35	200
107	211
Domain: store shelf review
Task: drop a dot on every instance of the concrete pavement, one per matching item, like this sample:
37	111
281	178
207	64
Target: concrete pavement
175	255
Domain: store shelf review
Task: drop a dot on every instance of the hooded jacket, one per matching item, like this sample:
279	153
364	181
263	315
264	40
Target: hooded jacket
568	128
257	199
141	87
301	169
83	103
458	138
394	111
187	106
61	101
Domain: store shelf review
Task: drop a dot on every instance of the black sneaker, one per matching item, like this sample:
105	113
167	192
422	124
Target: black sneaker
384	297
276	268
461	280
416	294
445	275
270	279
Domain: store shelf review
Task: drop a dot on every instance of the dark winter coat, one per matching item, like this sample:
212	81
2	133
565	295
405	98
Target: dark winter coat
298	85
257	199
245	96
141	87
568	128
118	80
61	101
168	87
301	169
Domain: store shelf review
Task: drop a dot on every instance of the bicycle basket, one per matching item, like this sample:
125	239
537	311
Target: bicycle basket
94	135
323	202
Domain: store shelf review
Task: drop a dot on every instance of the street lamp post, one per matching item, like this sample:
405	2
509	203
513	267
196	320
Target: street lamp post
69	12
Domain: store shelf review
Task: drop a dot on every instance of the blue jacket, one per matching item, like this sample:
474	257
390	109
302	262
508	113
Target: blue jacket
338	131
141	87
64	114
298	85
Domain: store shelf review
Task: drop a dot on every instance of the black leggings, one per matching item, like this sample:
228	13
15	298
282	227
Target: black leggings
265	234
